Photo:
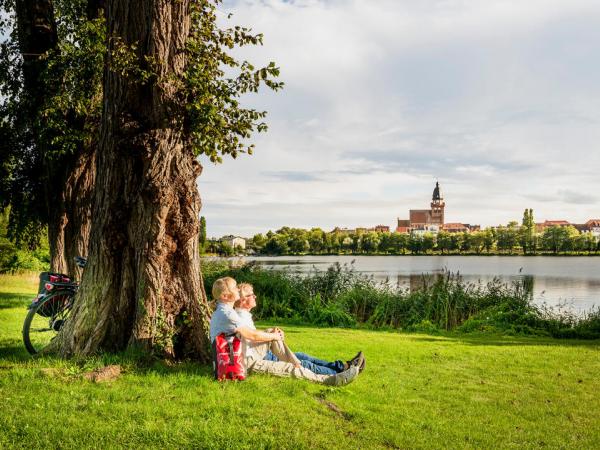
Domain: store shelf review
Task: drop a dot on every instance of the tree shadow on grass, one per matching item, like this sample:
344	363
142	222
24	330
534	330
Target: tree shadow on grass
507	341
8	301
165	368
482	339
14	353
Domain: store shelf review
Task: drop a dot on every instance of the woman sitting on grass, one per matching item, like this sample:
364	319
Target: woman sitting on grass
244	306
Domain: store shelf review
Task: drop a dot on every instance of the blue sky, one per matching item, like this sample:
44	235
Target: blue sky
496	99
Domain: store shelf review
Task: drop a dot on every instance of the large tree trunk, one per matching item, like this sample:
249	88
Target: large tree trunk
69	216
142	285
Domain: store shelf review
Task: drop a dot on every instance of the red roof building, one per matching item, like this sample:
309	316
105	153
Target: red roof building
539	227
381	229
455	227
593	223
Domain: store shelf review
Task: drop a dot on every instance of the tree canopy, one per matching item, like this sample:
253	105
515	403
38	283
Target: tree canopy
41	133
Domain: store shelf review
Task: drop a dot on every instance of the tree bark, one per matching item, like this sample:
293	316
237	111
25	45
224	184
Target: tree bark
142	286
70	210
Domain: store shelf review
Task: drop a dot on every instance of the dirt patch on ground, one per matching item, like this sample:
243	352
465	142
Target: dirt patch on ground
107	373
333	407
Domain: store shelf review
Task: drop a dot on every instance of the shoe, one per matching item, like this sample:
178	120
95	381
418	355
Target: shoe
353	361
360	361
362	364
343	378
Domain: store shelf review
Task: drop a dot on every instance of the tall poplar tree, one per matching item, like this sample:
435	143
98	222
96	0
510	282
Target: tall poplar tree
202	237
527	232
110	104
166	100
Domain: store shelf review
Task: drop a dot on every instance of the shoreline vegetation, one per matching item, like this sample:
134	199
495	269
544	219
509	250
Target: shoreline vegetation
433	253
342	297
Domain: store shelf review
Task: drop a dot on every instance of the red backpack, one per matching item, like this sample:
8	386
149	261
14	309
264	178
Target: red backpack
228	358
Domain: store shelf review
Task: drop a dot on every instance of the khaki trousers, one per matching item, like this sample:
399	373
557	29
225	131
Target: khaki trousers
288	365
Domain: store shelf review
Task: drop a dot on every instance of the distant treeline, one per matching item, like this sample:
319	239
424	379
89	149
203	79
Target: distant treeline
511	239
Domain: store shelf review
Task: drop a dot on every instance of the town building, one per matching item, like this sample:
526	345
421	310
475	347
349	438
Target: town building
593	226
422	221
360	230
460	228
234	241
381	229
540	227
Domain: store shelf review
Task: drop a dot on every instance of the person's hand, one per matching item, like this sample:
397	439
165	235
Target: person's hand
279	335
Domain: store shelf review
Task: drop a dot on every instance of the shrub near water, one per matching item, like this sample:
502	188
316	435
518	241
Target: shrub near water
340	296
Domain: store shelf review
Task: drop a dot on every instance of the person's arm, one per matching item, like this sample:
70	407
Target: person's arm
277	330
256	335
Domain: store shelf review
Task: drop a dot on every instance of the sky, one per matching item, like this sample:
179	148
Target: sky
498	100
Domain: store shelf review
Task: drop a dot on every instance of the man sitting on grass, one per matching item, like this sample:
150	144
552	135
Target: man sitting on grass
259	351
226	320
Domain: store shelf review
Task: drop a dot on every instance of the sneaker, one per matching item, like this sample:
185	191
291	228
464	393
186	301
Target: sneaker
353	361
362	364
360	361
345	377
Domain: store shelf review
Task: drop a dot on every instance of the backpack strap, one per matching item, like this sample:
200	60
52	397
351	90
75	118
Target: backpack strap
230	344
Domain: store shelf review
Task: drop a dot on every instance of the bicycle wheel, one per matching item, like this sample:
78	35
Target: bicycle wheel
45	319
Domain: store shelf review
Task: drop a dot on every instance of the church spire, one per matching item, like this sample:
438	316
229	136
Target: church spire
437	195
437	206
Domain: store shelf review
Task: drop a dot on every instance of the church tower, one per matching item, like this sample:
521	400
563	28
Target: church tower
437	206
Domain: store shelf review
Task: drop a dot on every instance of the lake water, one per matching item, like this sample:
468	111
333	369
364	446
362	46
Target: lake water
570	281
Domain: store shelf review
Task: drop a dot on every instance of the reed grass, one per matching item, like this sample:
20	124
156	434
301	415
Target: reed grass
341	296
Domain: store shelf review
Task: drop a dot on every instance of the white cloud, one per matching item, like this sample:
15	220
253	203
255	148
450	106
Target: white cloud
497	99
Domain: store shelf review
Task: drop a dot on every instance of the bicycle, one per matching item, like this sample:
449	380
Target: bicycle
50	309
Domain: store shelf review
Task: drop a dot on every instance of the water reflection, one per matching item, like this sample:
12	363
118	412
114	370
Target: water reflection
550	280
417	282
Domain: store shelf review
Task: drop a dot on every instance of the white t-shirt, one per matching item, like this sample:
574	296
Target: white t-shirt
247	321
246	318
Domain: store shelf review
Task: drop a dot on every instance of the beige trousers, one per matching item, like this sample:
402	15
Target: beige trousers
288	365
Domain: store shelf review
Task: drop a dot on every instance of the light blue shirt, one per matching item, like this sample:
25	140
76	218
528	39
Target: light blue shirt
224	320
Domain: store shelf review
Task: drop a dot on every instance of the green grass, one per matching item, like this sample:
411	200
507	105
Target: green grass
418	391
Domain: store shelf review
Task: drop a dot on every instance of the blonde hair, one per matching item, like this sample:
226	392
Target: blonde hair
244	288
224	288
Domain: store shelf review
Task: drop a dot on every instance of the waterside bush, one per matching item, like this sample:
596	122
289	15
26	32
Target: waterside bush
341	296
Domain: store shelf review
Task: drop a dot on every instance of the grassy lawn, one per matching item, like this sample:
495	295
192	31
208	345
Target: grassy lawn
418	391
